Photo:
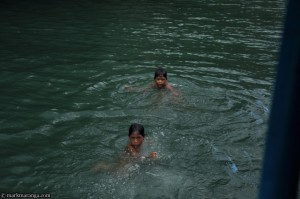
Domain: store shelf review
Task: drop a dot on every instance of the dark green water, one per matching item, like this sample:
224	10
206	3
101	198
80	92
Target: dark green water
64	108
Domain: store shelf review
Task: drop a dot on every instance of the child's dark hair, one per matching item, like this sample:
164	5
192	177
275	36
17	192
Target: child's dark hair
160	72
136	128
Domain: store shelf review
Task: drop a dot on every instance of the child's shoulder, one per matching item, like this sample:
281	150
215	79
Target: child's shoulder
169	86
129	150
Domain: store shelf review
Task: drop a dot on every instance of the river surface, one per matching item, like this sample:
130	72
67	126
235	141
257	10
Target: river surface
65	106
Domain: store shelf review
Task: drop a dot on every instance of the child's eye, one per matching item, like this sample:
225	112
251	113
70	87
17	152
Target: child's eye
138	138
160	79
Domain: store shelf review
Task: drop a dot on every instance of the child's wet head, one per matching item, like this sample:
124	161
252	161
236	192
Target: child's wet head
136	135
137	128
160	73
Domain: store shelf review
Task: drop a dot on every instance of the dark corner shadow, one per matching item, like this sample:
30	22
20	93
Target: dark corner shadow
280	175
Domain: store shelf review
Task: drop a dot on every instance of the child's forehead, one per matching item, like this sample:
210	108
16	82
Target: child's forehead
135	133
160	77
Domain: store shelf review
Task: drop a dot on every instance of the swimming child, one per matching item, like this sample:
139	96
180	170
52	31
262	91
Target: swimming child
133	151
136	138
161	81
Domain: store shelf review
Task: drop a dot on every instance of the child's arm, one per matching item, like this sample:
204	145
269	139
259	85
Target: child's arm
134	154
130	88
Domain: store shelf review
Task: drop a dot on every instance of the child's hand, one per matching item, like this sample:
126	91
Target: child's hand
153	154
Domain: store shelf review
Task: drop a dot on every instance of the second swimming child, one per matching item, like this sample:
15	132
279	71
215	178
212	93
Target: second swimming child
136	138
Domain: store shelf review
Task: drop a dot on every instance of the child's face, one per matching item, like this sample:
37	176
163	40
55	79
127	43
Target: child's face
136	139
160	81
